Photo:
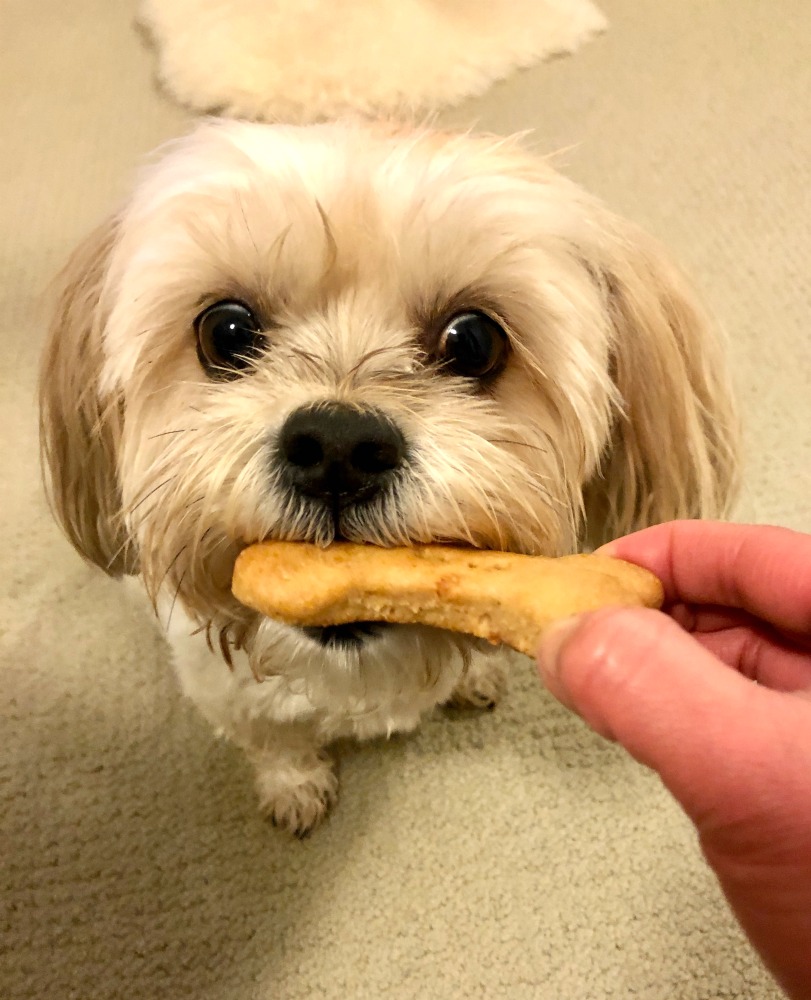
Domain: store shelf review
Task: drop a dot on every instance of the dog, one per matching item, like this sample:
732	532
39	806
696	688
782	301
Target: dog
369	332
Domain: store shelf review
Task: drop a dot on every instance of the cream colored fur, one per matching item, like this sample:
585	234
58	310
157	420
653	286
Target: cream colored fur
303	61
351	241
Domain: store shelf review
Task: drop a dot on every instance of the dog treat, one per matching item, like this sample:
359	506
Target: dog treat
498	596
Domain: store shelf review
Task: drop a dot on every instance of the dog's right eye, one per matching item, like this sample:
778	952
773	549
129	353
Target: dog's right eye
228	339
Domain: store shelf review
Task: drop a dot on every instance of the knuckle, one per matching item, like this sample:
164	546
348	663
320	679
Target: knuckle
612	645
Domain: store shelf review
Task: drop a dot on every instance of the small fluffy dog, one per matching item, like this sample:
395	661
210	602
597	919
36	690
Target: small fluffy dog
370	333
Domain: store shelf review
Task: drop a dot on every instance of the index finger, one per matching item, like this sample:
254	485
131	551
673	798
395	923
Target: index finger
761	569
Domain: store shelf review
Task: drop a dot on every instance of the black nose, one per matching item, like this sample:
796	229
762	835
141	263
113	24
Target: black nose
340	453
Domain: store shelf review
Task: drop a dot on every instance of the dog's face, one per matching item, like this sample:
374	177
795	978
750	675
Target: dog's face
389	337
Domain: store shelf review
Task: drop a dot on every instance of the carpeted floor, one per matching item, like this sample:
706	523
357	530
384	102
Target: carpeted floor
510	854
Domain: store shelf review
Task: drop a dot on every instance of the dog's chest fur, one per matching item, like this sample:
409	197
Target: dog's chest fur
386	688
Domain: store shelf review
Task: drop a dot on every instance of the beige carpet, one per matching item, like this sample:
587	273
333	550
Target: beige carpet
305	59
509	855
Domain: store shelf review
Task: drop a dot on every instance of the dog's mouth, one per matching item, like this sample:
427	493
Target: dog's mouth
348	636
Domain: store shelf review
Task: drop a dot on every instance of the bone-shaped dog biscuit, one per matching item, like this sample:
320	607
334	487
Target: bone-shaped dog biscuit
498	596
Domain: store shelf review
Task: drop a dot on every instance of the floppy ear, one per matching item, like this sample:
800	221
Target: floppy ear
674	446
79	430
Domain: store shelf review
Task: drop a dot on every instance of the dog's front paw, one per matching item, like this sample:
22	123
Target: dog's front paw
296	794
482	684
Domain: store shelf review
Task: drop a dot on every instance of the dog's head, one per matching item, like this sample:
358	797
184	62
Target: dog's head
383	335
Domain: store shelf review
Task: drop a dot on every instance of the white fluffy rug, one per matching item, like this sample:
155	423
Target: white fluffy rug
302	60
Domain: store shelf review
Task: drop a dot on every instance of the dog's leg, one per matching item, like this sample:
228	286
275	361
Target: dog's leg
483	681
296	782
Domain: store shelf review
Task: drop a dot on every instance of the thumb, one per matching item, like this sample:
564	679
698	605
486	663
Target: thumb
735	755
637	678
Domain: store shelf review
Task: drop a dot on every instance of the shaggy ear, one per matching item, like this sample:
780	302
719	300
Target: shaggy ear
674	446
79	430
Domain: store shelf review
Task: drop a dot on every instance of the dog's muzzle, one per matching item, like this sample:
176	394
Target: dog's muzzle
340	455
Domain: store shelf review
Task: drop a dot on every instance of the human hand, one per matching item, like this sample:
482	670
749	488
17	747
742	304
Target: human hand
676	690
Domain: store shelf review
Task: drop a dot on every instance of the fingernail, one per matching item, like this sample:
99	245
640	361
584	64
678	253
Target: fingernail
606	550
553	641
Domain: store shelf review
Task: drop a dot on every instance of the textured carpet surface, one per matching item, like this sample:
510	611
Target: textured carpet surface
301	60
510	854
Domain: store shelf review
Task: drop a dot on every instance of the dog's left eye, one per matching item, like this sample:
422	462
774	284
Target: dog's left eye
228	339
473	345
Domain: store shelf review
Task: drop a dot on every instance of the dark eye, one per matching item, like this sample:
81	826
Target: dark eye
473	345
228	339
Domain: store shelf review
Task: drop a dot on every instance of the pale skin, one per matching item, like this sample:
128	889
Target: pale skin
714	694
